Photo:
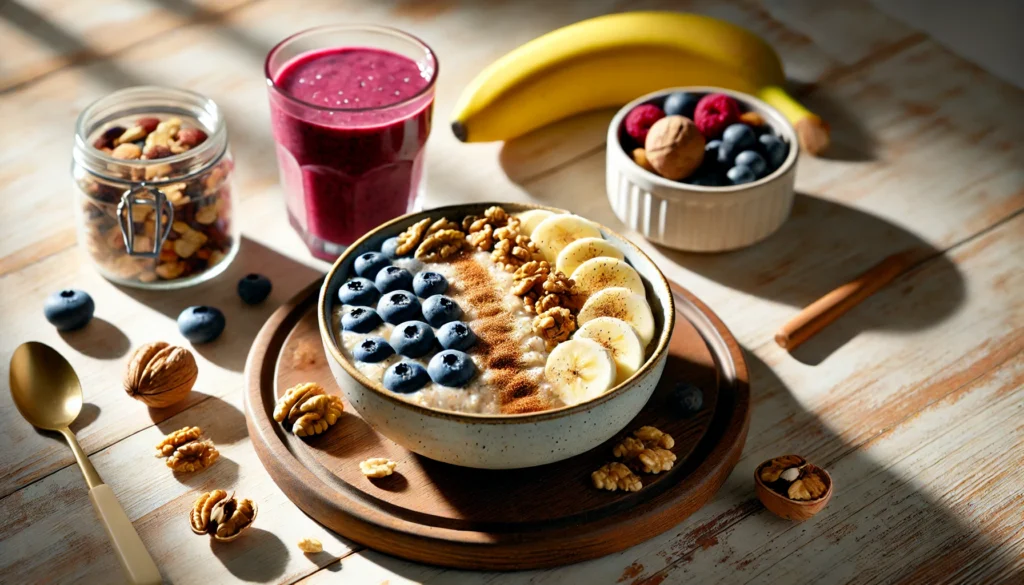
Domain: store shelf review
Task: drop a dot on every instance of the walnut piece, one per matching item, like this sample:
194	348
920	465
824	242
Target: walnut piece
176	439
482	238
441	245
496	216
310	545
773	471
628	448
512	253
810	486
443	224
616	476
554	326
410	238
193	456
509	231
185	452
307	409
221	516
377	467
653	437
656	460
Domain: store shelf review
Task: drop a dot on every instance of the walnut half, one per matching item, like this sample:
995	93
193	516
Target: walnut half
306	409
377	467
185	452
221	516
616	476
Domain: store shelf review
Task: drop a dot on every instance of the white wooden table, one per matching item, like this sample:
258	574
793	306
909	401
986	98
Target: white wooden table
914	401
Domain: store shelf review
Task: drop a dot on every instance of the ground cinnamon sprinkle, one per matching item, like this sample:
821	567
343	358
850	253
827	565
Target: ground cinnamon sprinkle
517	391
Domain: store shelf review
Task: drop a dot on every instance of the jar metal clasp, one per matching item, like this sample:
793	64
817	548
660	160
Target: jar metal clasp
141	197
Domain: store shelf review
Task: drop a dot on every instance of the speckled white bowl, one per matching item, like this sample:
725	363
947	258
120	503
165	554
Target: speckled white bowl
495	441
692	217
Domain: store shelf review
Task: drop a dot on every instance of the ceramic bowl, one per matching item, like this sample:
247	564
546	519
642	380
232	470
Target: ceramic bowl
692	217
495	441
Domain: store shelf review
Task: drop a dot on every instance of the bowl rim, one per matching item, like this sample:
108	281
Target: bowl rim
628	165
334	351
761	484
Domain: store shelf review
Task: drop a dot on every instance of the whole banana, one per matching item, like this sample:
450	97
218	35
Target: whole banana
610	60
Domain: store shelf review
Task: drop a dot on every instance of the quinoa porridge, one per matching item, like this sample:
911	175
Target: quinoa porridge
480	320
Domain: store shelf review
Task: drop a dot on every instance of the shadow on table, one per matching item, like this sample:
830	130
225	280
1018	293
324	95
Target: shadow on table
850	140
243	321
262	559
873	513
100	339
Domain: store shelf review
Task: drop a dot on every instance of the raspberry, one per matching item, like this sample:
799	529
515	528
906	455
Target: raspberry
640	119
714	112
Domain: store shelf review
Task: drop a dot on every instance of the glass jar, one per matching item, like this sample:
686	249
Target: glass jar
152	174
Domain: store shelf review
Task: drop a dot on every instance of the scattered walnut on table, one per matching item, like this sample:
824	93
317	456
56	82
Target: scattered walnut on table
653	437
616	476
176	439
222	516
377	467
310	545
441	245
411	237
193	456
307	410
773	471
656	460
628	448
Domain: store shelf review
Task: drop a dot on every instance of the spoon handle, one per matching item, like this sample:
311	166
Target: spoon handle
135	560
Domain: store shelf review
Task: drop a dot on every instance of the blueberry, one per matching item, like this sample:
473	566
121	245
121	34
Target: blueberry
755	161
727	152
741	174
201	324
426	284
361	320
399	306
456	335
358	291
686	399
451	367
69	309
681	103
254	289
412	339
439	309
390	248
372	349
393	278
741	135
775	150
405	377
369	264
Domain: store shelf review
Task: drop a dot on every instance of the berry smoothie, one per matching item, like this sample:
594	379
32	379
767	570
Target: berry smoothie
350	124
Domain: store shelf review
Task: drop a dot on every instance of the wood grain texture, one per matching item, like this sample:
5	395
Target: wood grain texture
514	519
907	400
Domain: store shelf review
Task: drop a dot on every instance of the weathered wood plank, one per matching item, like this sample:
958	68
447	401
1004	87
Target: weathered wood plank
40	36
876	387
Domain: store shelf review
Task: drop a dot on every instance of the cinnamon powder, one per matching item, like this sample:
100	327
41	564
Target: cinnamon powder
517	391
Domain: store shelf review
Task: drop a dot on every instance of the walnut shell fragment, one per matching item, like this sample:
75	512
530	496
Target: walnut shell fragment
221	516
792	488
160	374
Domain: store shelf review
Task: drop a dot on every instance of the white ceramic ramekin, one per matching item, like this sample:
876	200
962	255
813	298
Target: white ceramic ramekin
692	217
496	441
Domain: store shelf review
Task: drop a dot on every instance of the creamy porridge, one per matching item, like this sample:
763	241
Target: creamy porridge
538	340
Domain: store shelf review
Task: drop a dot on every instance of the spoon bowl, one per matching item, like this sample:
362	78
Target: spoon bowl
44	386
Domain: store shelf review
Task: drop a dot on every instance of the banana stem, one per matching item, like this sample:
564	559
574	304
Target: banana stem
811	130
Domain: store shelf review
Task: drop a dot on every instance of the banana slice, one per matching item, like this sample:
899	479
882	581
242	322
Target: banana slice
558	231
618	337
601	273
580	369
584	249
621	303
531	218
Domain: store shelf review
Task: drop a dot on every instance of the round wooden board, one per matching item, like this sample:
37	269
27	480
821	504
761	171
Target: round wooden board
545	516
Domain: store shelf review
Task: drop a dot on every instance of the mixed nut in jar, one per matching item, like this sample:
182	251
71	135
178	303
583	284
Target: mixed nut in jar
152	172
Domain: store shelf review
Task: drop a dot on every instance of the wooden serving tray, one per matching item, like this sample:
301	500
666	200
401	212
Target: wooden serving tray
544	516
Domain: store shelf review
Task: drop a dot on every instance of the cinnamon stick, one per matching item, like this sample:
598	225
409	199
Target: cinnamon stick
837	303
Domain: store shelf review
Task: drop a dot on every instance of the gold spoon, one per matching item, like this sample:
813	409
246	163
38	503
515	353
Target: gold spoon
48	395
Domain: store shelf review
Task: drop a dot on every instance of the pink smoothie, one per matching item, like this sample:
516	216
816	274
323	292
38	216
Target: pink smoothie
350	129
